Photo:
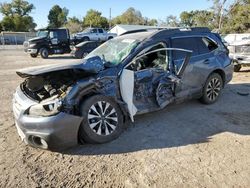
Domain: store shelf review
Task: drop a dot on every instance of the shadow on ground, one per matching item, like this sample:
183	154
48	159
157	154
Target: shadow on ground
61	57
180	125
245	70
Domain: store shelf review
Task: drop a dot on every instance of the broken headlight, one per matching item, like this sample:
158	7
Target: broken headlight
47	108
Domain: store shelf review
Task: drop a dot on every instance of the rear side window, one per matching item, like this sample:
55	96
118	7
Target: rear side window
199	46
209	44
100	30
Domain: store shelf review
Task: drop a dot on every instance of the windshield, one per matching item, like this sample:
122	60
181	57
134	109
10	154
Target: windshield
114	51
42	34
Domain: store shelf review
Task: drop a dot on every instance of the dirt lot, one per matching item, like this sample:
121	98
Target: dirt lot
185	145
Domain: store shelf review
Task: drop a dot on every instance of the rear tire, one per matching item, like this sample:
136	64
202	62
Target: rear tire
102	120
44	53
212	89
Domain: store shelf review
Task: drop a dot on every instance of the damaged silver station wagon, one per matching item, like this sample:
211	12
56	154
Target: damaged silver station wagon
61	105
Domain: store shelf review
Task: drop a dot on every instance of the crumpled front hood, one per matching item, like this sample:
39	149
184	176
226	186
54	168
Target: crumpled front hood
37	39
92	65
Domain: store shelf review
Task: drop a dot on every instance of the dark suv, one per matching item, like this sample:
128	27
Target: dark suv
61	105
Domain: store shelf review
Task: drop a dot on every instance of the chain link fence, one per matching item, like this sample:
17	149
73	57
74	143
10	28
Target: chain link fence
14	40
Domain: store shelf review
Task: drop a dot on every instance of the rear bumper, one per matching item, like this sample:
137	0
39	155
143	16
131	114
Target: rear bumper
56	132
229	72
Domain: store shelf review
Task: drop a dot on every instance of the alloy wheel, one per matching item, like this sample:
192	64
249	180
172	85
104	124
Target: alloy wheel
213	89
102	118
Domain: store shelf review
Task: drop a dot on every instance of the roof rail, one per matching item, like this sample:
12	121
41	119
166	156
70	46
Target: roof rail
140	30
177	29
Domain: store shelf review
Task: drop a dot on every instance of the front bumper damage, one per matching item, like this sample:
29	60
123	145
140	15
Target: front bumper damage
56	132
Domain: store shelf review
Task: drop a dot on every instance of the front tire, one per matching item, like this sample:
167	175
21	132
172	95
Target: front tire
44	53
237	68
103	120
85	39
212	89
33	55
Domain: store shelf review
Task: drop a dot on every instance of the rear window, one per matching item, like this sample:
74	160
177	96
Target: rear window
199	46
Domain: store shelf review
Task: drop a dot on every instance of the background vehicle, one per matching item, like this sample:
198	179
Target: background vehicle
240	53
90	101
48	42
94	34
84	48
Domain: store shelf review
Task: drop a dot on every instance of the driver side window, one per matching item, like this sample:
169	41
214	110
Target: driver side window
154	57
52	34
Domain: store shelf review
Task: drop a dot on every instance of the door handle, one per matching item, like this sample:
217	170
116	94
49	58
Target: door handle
206	61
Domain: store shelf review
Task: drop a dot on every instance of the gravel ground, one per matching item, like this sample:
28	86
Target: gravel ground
185	145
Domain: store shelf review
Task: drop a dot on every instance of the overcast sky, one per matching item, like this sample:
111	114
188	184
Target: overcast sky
158	9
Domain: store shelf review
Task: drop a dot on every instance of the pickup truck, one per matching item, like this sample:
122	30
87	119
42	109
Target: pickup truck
94	34
240	53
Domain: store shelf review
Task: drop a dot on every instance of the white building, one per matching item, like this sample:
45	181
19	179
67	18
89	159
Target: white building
120	29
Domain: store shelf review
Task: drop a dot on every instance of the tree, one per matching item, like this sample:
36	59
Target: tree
130	16
238	18
74	25
151	22
197	18
172	21
16	16
218	10
187	19
94	18
203	18
57	16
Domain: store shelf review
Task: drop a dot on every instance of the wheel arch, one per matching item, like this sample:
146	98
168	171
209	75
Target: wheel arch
87	96
221	73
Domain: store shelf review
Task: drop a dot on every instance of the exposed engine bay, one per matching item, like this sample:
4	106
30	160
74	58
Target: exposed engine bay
45	86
